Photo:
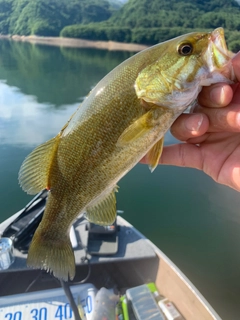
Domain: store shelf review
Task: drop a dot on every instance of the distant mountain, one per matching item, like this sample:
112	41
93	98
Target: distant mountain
177	13
120	2
138	21
117	4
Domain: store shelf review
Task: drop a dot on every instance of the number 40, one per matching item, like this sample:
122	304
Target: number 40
64	312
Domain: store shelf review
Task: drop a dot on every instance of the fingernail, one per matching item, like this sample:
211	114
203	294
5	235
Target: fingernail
238	119
217	95
194	122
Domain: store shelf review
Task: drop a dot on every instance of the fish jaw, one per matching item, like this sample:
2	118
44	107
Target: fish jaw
218	60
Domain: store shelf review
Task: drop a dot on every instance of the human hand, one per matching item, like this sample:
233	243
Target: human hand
211	134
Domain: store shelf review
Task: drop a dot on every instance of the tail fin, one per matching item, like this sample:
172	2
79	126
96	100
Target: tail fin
54	255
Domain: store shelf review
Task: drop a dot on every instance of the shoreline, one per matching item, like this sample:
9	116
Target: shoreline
77	43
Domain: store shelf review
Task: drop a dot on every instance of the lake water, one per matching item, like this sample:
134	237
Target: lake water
195	221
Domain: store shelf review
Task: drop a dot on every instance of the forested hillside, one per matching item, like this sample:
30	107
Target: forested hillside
149	22
49	17
138	21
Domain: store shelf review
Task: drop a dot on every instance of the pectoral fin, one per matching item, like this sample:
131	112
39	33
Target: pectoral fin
138	128
104	211
153	156
34	172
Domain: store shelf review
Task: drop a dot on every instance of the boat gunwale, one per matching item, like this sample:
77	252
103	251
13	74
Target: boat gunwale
177	271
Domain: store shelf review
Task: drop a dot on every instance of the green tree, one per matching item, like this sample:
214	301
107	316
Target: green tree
49	17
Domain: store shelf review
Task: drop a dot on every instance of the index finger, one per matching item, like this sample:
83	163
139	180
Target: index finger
220	94
216	96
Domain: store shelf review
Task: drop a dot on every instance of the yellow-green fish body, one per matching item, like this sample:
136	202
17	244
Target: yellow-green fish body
124	118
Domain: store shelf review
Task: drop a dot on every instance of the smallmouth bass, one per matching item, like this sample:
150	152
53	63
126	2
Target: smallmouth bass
123	119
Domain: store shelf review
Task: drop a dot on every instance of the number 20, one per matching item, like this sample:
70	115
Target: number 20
14	316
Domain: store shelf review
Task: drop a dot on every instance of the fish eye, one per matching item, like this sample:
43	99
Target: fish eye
185	49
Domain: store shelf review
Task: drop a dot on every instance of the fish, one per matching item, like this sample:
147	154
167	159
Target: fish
123	119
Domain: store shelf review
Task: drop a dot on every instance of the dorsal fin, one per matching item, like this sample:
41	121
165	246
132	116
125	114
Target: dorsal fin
34	172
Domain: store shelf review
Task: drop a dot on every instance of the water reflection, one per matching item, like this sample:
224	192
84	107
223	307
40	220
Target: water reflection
52	74
26	122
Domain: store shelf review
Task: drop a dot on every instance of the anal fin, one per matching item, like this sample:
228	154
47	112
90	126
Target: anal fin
103	211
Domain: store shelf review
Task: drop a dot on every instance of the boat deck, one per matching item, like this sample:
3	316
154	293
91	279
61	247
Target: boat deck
130	246
117	270
136	262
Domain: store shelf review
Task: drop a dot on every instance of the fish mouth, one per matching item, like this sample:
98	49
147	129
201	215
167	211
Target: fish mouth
218	39
218	55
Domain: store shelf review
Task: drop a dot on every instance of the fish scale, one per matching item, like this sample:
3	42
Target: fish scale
123	119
